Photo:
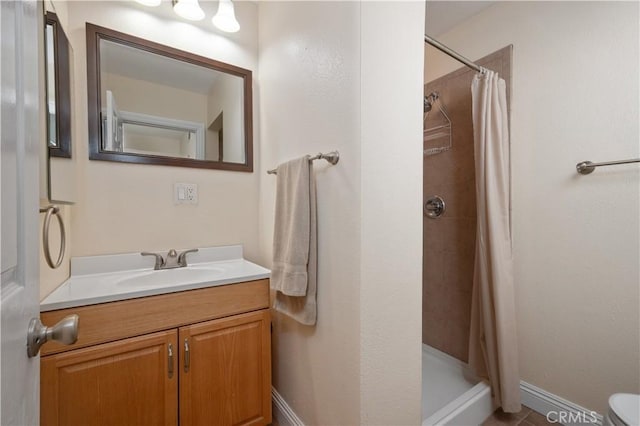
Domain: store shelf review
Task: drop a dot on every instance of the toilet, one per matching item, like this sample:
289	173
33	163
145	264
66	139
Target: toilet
624	410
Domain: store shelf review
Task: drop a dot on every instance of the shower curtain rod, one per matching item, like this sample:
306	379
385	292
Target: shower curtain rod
441	47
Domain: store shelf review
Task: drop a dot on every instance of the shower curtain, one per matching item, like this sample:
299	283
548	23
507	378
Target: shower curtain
493	351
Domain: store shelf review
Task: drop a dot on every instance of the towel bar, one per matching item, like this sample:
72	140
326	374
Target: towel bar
586	167
53	211
332	157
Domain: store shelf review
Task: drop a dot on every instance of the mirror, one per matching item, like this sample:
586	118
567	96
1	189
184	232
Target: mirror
58	88
154	104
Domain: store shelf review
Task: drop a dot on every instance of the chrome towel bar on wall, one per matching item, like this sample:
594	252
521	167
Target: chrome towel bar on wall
586	167
50	211
332	157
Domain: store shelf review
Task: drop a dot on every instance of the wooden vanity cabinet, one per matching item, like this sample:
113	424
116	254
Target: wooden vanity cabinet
216	371
224	377
121	383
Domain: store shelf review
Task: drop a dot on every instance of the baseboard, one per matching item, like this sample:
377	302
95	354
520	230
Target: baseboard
539	400
552	406
282	413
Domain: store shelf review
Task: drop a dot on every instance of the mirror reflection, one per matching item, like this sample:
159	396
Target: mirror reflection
161	106
58	88
156	102
52	137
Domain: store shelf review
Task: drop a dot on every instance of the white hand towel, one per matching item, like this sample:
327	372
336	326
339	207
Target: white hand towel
293	273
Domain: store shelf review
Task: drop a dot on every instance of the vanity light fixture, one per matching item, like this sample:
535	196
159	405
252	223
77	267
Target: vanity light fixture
151	3
188	9
225	19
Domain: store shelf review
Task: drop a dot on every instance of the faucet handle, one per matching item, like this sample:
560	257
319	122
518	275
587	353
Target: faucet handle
182	259
159	260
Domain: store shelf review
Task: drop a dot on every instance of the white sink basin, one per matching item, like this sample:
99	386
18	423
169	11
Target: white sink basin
165	277
108	278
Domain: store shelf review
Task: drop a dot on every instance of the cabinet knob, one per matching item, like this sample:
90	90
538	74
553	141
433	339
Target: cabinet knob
65	332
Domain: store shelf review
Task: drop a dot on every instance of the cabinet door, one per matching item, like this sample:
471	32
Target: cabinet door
225	376
127	382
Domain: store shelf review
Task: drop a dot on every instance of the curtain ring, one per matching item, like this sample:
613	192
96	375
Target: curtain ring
51	211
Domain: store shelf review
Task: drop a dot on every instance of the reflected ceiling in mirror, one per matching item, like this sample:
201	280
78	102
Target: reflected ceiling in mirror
153	104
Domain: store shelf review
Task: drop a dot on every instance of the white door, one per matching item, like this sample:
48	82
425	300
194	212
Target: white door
19	141
114	139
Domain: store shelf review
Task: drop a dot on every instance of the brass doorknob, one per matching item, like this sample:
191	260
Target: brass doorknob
65	332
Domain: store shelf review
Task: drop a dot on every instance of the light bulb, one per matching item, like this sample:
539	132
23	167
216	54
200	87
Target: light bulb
151	3
188	9
225	18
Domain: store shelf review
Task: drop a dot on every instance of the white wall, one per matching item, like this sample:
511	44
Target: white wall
391	211
129	208
309	103
575	97
332	77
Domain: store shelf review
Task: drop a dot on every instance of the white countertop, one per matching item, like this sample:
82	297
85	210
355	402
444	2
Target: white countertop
100	279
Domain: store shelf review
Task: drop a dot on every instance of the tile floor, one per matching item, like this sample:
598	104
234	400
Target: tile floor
526	417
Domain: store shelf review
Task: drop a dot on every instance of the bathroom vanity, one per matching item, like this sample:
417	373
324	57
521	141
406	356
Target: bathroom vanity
197	352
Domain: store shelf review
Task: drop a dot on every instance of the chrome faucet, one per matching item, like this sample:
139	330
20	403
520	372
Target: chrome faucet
173	259
182	258
159	259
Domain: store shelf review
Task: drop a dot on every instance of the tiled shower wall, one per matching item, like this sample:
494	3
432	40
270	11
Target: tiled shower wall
449	241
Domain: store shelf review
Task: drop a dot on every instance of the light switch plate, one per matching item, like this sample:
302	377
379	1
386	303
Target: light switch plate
185	193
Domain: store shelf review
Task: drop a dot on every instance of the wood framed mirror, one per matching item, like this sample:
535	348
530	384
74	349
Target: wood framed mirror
153	104
58	88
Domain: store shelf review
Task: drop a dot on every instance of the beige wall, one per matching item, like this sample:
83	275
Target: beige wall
324	88
576	253
129	208
51	278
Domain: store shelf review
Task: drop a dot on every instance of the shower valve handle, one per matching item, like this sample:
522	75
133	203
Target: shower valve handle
434	207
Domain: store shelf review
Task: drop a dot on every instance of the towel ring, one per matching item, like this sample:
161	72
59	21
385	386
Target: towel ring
53	211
